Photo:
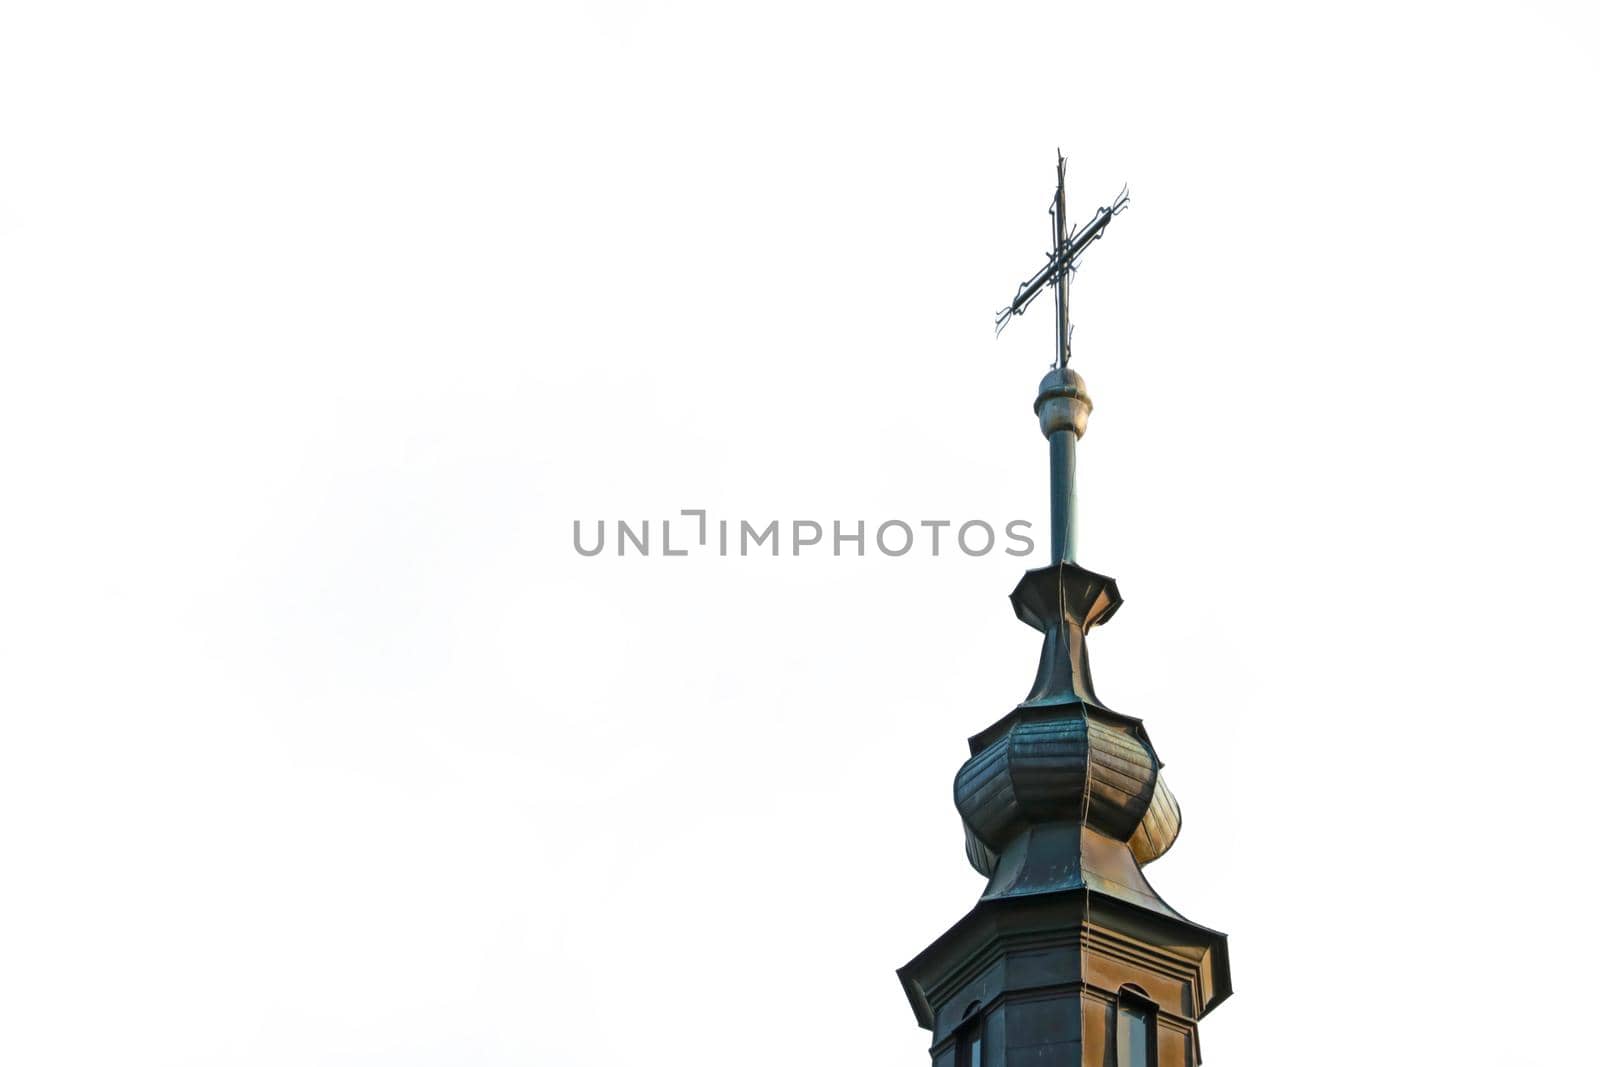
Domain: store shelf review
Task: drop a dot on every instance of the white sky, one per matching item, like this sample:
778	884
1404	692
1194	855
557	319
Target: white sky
321	322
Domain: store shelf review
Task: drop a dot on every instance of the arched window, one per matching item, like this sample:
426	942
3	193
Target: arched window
1136	1028
969	1039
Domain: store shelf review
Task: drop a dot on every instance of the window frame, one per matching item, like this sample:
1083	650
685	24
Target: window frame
1131	1001
969	1038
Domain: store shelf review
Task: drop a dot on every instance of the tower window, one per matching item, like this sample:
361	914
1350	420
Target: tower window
969	1050
969	1040
1136	1029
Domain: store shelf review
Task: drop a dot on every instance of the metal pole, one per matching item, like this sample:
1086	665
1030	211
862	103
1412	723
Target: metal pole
1063	443
1063	496
1063	338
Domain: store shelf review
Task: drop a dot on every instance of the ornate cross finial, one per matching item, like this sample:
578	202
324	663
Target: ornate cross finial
1063	405
1057	272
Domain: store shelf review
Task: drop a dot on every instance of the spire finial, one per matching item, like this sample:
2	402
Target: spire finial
1063	405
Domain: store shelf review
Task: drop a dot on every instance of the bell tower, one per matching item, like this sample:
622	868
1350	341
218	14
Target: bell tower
1069	957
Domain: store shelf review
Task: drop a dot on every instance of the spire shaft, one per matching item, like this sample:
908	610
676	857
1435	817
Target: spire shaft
1063	496
1063	408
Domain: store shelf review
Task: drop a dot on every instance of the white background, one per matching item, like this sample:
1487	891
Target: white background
322	322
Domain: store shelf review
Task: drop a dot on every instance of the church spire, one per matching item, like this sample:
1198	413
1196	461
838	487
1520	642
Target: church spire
1069	957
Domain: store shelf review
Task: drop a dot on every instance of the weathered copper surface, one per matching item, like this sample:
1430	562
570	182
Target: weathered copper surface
1064	602
1041	978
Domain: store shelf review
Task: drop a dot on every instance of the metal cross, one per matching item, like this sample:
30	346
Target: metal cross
1058	269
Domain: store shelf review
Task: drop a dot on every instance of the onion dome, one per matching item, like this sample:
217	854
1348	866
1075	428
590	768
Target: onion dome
1071	763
